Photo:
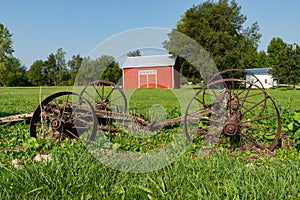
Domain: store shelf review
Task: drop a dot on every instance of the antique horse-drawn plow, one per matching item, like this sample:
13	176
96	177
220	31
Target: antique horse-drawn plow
229	107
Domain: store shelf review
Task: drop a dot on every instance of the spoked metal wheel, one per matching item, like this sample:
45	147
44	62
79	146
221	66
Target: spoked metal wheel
236	108
109	102
64	114
106	96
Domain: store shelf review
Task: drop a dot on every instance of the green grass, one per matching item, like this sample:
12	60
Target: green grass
19	100
286	98
75	174
25	99
173	102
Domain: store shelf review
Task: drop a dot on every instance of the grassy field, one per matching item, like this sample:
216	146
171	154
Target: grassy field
286	98
73	173
25	99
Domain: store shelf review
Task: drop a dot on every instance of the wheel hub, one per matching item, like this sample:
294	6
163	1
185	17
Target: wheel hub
230	129
56	124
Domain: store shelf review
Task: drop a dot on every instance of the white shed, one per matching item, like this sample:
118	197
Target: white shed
262	75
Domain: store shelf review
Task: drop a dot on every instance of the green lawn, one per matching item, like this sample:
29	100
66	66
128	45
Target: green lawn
25	99
286	98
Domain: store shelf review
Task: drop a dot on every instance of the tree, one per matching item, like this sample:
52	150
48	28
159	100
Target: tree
285	61
112	73
35	73
55	71
50	70
261	59
218	28
17	73
61	67
92	70
293	66
134	53
274	48
74	65
6	51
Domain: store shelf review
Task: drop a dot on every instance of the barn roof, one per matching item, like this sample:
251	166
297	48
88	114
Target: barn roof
259	71
150	61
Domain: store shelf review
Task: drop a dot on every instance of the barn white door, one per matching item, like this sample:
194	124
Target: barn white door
147	79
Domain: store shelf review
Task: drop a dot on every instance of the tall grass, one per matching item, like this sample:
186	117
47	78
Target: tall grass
74	174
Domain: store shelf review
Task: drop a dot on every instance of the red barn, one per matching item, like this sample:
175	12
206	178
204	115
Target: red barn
156	71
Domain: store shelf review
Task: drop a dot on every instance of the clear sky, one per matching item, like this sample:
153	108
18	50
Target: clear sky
39	28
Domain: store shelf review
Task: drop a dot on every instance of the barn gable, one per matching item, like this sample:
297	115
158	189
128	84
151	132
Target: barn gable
155	71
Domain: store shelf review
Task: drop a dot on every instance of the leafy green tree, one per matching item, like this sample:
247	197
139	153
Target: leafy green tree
12	72
112	73
285	61
74	65
260	60
277	52
62	76
6	51
17	73
92	70
35	73
293	66
55	71
274	48
50	70
219	29
134	53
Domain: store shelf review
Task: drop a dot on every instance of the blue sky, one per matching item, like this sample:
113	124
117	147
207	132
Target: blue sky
41	27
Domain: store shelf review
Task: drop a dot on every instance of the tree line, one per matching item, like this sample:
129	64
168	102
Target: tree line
57	71
217	26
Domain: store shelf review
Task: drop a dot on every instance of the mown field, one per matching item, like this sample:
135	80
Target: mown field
73	173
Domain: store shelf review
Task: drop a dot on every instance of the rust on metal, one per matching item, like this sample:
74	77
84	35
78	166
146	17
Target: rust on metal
15	118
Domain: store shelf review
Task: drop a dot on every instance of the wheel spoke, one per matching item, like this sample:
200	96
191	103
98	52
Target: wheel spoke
242	106
111	91
85	92
253	141
249	126
94	86
238	89
72	134
102	84
258	119
251	108
252	95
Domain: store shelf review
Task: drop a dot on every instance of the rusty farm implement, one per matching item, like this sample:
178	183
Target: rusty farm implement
231	107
